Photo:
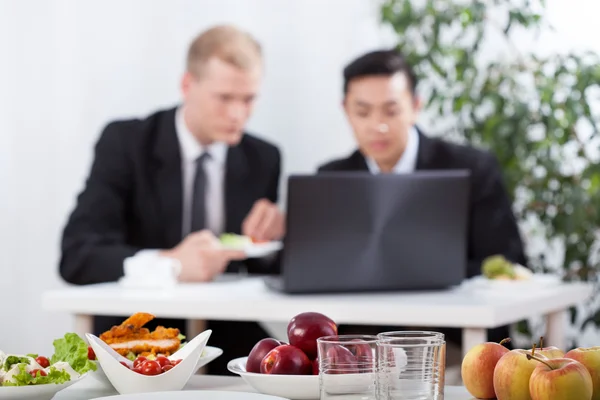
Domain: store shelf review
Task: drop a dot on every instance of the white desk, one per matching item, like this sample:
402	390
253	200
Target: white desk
247	299
89	388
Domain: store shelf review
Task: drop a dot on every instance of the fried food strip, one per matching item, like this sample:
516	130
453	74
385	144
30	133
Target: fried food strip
132	337
132	326
146	347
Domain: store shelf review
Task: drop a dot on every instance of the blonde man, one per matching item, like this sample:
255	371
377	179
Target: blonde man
165	186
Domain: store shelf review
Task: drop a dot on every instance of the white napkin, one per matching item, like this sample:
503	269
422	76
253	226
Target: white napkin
148	270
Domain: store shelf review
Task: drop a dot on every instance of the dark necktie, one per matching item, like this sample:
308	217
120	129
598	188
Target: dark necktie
199	195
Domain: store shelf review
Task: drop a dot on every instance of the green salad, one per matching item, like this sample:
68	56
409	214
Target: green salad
71	359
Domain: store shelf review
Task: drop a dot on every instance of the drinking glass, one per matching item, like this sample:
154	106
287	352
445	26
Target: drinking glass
348	367
411	365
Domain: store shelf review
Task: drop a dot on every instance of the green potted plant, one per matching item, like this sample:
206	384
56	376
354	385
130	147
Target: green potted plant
535	113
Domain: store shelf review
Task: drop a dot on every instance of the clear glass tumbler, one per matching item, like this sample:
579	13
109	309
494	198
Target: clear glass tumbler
348	367
411	365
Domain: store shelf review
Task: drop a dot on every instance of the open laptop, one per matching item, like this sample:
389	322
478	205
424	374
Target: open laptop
355	232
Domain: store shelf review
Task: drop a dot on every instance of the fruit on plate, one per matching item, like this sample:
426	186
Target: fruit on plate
131	339
259	351
286	360
340	360
363	354
560	379
477	368
590	358
512	373
499	268
304	329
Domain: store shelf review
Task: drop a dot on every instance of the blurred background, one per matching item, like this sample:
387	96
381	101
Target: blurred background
68	67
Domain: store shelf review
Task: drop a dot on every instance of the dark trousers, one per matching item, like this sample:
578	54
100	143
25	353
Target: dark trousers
236	339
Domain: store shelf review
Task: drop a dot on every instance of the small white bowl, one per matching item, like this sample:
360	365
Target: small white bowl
126	381
209	354
35	392
294	387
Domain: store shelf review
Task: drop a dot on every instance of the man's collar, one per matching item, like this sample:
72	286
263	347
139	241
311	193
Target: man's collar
191	148
407	162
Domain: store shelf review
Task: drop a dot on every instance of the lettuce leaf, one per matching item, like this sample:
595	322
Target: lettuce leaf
73	350
12	360
24	378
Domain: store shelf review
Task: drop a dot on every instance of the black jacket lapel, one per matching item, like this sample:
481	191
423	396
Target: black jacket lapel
357	162
168	178
425	154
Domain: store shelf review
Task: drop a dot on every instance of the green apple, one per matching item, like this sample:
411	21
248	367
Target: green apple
477	369
560	379
512	373
590	358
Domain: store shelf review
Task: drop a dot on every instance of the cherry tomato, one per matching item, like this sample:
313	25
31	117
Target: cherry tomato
43	361
91	354
123	363
34	372
167	367
138	370
139	360
151	367
175	362
162	361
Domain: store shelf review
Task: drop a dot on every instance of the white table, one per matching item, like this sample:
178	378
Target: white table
90	388
248	299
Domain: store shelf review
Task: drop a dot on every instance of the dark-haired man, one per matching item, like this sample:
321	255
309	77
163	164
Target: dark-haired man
382	107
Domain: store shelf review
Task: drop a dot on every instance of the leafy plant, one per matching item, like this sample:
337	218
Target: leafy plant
538	114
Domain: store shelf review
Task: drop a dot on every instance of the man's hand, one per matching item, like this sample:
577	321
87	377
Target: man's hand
201	256
264	222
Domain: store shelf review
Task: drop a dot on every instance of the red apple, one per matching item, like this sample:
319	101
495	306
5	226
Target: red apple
286	360
304	330
315	366
363	353
477	369
340	360
560	379
258	352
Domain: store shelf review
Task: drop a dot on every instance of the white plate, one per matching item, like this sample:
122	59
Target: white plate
257	250
536	282
295	387
209	354
194	395
35	392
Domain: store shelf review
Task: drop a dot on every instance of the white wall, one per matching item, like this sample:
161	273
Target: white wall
67	67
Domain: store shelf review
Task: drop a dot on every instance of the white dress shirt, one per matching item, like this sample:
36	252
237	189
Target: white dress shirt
137	268
407	162
214	168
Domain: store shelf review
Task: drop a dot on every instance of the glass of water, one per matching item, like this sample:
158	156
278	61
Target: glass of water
411	365
348	367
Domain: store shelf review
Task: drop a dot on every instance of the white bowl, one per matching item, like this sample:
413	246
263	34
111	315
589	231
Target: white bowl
35	392
294	387
126	381
209	354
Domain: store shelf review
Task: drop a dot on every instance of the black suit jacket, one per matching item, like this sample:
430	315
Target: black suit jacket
492	225
133	197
